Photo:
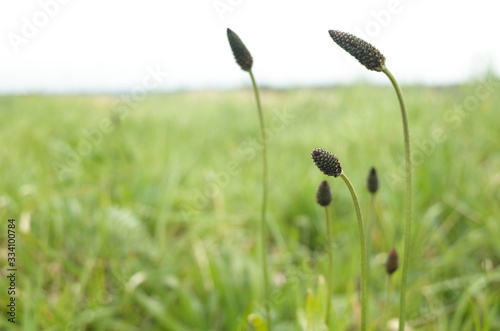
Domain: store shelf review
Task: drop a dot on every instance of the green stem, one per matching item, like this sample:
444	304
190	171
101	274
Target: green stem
330	266
263	224
364	263
387	299
370	218
407	230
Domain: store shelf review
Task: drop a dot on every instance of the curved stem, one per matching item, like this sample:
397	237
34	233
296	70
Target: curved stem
263	224
364	263
330	267
407	230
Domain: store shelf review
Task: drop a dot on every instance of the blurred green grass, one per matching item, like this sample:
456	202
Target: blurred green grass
153	224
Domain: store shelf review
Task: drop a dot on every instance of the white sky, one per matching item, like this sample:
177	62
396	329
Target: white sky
107	45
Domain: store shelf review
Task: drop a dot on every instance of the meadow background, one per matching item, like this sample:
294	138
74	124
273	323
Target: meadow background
147	217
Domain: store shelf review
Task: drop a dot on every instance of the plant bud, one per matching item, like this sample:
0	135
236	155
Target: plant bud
364	52
391	265
326	162
240	52
324	194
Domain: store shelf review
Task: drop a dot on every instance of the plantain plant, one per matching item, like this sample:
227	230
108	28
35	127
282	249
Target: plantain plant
324	198
330	166
245	61
372	59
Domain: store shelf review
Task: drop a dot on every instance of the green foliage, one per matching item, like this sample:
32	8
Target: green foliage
153	225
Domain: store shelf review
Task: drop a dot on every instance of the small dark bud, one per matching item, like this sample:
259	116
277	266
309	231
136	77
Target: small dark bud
326	162
240	52
391	265
324	194
364	52
372	181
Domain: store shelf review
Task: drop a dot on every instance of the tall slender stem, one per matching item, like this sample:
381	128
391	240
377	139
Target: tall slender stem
364	263
370	218
330	266
407	230
263	224
387	299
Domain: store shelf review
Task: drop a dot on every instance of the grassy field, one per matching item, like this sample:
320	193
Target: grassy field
144	214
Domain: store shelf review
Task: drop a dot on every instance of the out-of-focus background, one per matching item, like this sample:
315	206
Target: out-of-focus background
94	46
131	165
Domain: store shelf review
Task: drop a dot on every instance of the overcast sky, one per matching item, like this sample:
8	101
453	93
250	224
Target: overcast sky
113	45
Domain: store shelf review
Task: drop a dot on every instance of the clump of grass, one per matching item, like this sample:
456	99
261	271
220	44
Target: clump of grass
324	198
245	61
372	59
330	165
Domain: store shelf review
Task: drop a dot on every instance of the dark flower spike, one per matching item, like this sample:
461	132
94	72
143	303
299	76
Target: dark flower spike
240	52
324	194
364	52
392	263
326	162
372	181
